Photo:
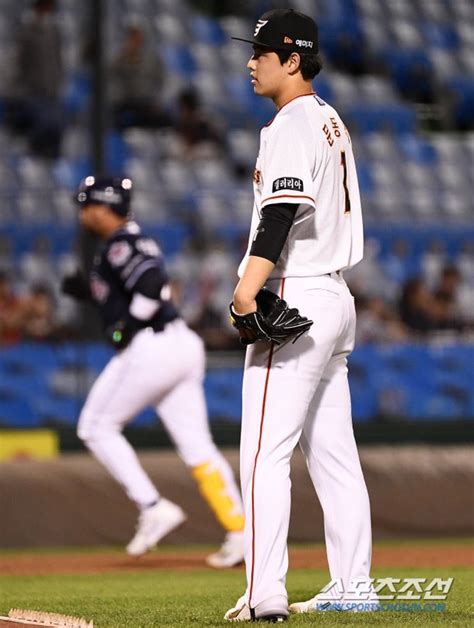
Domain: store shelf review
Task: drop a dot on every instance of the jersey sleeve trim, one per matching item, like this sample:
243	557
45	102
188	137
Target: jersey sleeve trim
289	198
138	272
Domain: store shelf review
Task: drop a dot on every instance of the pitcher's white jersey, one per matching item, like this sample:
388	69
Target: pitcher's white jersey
299	392
306	158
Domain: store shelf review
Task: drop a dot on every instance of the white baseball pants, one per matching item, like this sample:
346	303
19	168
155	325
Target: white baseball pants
164	370
299	394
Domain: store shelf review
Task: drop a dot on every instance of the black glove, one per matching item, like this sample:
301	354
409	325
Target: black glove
273	321
120	334
76	286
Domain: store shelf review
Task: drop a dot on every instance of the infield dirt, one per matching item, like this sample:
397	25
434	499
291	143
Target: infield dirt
406	555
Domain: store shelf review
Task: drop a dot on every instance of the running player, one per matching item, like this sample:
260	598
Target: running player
159	362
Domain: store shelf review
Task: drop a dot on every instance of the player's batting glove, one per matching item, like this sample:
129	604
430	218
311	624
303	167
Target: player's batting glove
121	333
76	286
274	321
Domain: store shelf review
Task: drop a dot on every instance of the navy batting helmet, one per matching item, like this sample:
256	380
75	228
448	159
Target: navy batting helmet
112	191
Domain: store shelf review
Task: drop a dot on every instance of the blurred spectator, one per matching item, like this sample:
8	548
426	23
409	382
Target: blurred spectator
136	76
35	107
210	322
423	311
446	299
191	123
202	283
12	310
30	316
38	319
417	308
38	314
377	322
465	264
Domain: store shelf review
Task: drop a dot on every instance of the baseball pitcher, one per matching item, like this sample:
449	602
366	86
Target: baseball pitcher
306	230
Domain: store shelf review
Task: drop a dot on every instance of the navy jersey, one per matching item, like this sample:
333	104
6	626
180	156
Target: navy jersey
125	256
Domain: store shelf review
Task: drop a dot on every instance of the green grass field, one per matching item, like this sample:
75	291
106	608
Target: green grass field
200	598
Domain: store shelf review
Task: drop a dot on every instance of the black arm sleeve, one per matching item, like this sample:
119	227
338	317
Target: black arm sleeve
150	283
273	230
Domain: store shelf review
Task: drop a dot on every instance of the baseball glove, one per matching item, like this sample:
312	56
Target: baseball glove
274	321
76	286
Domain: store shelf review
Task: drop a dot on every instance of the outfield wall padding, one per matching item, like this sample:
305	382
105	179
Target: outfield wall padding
414	490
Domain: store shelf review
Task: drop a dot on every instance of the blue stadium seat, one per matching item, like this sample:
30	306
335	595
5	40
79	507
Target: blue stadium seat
232	234
364	402
32	385
77	93
207	30
172	237
27	357
179	59
146	418
366	182
462	90
97	354
433	406
322	87
239	90
58	411
338	11
375	118
69	172
440	35
223	388
364	395
16	411
403	64
417	149
340	21
116	153
244	104
23	237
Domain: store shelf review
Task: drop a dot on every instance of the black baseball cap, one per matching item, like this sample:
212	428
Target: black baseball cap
112	191
285	29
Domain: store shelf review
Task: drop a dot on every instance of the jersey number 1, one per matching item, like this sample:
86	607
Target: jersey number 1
347	200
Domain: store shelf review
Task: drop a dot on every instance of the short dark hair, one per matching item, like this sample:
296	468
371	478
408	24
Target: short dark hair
310	63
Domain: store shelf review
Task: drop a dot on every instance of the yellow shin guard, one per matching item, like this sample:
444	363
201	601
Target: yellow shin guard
212	487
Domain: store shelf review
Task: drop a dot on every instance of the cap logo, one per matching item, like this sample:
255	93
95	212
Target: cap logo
287	40
258	26
304	43
105	196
